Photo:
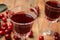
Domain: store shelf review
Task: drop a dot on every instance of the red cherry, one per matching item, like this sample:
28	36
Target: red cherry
1	15
7	31
16	38
4	19
10	27
4	25
41	38
10	24
7	14
11	12
56	34
56	38
7	11
1	32
31	34
8	36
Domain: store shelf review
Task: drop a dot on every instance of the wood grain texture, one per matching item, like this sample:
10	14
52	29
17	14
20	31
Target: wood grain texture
42	20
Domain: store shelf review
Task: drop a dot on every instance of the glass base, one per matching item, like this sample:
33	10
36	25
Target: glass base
24	36
48	33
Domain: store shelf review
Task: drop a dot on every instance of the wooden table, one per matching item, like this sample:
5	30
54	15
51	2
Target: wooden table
42	20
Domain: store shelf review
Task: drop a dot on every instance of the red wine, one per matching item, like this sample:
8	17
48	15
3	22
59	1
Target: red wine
22	18
52	10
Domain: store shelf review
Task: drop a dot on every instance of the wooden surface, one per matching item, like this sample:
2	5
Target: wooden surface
42	22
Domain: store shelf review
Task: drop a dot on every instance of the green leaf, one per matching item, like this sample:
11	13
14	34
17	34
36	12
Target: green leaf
3	7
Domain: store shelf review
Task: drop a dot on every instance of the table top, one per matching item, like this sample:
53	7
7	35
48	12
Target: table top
42	23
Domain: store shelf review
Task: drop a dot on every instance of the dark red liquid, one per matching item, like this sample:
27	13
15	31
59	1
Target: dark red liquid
52	10
22	18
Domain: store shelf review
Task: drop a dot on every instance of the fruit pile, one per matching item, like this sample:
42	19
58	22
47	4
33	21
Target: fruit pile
5	28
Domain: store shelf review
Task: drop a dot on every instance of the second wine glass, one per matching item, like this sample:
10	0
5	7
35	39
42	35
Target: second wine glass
52	12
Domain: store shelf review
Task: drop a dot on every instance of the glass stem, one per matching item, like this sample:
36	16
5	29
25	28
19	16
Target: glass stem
48	28
38	25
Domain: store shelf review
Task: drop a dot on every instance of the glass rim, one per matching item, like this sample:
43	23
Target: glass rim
51	6
22	23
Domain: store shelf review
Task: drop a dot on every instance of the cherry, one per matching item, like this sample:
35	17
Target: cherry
4	25
1	15
41	38
31	34
7	11
6	15
11	12
8	36
56	38
7	31
10	27
1	32
4	19
10	24
16	38
56	34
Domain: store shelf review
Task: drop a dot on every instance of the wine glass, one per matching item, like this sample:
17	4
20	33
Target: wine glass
23	16
52	12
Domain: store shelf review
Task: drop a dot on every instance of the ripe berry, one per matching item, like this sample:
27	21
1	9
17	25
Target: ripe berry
31	34
4	19
41	38
11	12
8	37
7	31
7	14
4	25
56	34
56	38
7	11
16	38
1	32
1	15
10	27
